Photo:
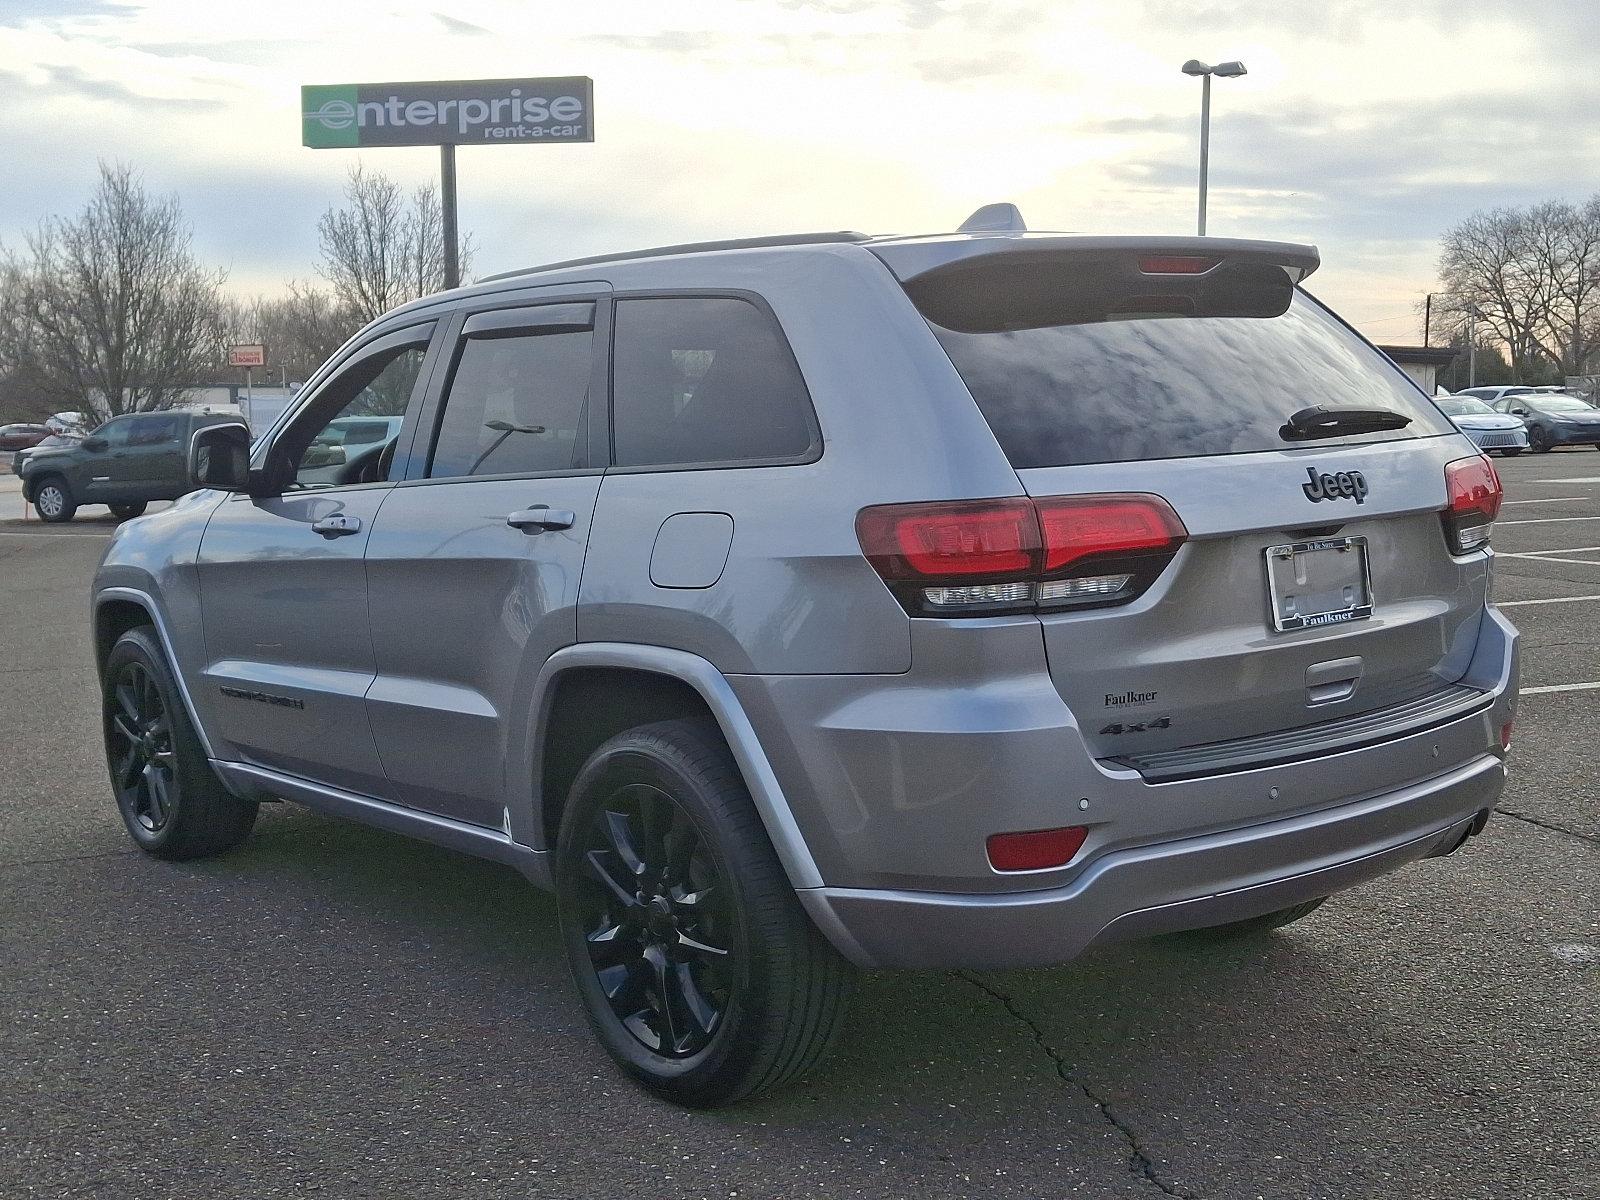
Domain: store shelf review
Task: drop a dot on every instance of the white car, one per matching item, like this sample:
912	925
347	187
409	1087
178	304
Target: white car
1492	431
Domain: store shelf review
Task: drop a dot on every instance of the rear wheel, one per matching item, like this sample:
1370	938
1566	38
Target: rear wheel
126	512
1512	452
170	799
53	501
698	969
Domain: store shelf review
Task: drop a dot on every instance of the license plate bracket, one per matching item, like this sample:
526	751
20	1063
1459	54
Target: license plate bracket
1315	583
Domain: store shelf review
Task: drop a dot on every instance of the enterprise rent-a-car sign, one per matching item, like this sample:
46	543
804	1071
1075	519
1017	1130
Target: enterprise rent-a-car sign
465	112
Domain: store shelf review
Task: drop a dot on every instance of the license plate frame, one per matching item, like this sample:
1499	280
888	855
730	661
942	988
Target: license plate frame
1311	584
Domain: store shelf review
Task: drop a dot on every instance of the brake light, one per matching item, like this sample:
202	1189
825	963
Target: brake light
1474	493
1020	555
1176	264
1036	850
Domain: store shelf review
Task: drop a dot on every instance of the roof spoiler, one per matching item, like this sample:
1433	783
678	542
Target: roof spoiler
913	258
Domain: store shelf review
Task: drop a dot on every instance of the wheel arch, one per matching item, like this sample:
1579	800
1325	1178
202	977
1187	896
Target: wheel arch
119	609
587	693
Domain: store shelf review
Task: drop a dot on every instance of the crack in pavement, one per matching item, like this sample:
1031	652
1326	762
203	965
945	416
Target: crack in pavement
1538	823
1139	1160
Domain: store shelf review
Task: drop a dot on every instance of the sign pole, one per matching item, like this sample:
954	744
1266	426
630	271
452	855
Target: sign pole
447	204
249	399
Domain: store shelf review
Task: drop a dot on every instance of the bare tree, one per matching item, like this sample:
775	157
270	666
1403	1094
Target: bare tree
109	312
1489	262
383	248
301	328
1533	277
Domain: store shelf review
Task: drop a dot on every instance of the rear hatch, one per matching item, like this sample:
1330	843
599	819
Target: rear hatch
1313	581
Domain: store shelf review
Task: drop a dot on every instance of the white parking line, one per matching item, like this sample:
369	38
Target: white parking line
1546	520
1580	479
1548	600
1547	500
1543	553
1560	687
9	533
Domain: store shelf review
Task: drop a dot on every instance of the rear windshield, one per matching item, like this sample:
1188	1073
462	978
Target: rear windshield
1126	376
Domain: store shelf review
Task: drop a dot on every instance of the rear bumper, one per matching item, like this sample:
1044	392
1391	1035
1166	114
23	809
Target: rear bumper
1184	884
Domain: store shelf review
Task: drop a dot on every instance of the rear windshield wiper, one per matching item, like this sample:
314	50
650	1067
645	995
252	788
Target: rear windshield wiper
1320	421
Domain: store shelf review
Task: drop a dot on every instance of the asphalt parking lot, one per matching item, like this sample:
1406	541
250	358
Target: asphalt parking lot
336	1010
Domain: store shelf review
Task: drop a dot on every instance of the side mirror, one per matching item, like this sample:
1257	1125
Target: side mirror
219	457
95	444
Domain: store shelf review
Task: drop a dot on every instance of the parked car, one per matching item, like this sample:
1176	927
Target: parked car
1491	431
54	441
125	463
802	604
1492	395
22	435
1553	419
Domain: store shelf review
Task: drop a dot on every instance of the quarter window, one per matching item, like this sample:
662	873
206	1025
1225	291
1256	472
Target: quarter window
516	405
705	380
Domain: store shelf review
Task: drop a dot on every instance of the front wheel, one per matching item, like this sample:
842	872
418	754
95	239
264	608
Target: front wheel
1512	452
53	502
698	969
1538	440
170	799
126	512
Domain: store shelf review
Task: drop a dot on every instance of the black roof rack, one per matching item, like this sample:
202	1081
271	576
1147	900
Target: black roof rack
754	243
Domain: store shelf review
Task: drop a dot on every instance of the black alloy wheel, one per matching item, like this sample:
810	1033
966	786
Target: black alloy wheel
697	967
169	797
1538	439
139	744
660	934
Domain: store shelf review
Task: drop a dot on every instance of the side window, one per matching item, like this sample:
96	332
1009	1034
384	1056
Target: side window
154	431
705	380
115	433
372	395
517	402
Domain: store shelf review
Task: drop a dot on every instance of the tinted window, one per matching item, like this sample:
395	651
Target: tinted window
516	405
114	432
705	380
1130	375
154	431
1558	404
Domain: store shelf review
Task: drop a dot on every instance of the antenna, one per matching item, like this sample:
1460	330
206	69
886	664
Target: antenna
995	218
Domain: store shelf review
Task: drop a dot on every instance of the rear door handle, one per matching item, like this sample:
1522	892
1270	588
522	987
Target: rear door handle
541	517
332	527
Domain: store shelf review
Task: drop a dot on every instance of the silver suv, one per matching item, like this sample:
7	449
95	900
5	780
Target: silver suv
803	604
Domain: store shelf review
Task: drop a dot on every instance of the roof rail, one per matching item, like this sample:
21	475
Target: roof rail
754	243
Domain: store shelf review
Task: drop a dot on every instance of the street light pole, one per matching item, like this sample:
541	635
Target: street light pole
1227	70
1205	145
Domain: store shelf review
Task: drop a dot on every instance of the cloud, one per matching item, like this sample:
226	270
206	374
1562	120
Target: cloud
77	81
465	28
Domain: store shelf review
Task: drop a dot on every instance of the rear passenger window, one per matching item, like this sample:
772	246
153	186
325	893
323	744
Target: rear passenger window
516	405
705	380
154	431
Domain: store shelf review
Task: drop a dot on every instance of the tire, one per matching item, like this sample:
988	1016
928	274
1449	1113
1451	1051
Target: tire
170	799
716	986
1254	926
53	501
1512	452
1538	440
126	512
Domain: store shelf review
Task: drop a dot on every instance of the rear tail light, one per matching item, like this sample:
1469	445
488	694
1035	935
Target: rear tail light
1176	264
1020	555
1036	850
1475	493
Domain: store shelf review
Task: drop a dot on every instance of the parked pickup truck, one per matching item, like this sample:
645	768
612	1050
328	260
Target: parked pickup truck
125	463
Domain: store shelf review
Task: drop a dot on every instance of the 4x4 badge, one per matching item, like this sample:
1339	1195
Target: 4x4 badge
1352	485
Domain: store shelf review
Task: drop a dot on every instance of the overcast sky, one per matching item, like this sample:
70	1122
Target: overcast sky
1364	126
